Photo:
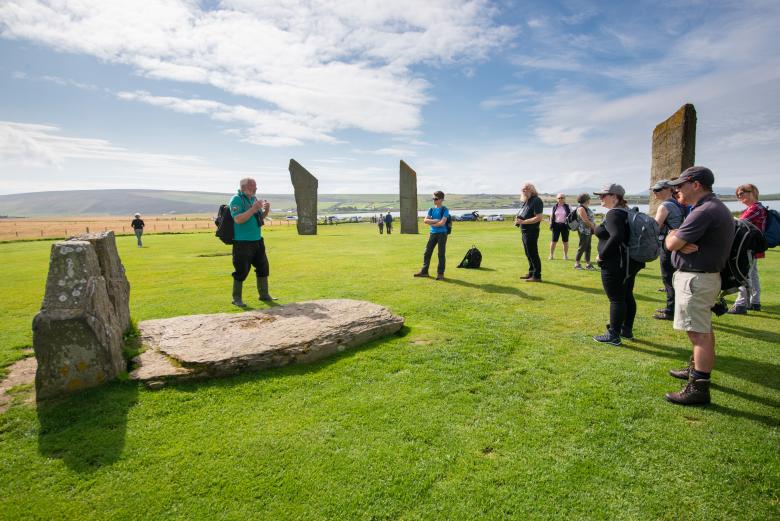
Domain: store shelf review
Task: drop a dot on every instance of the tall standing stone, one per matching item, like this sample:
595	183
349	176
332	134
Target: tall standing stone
76	335
305	186
408	192
674	147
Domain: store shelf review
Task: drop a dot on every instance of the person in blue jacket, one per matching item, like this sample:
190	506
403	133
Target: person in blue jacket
437	220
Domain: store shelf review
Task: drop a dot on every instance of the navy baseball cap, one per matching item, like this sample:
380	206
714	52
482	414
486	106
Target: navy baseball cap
701	174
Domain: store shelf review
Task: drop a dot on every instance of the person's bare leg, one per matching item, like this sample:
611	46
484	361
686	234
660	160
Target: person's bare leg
552	249
703	350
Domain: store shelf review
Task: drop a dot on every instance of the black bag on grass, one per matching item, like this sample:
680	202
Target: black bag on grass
473	259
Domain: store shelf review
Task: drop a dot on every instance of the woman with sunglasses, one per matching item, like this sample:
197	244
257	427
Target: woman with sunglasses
559	227
750	298
618	271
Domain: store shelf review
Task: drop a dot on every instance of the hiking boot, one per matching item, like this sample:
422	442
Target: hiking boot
663	315
684	373
578	267
421	274
533	279
440	276
695	392
610	337
755	307
526	277
590	267
737	310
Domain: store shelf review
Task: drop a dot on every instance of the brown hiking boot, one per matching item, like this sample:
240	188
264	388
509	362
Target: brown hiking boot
440	276
421	274
533	279
684	373
695	392
525	277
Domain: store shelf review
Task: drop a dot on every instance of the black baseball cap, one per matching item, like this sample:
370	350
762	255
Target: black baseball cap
701	174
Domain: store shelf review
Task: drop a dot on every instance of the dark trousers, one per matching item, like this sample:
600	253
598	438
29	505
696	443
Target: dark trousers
667	270
389	227
531	247
584	248
433	240
620	292
247	254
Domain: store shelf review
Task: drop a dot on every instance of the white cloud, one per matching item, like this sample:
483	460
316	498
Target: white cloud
322	65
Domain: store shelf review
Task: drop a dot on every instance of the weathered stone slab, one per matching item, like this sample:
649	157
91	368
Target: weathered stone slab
228	343
114	272
408	192
305	186
674	147
76	335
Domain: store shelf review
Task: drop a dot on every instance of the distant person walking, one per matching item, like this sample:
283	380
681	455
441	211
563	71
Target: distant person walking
618	270
389	223
381	223
669	216
755	213
437	220
585	229
528	218
138	228
248	246
559	227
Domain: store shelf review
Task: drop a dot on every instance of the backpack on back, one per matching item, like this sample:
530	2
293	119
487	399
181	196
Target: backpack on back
772	229
573	220
643	242
224	222
473	259
748	240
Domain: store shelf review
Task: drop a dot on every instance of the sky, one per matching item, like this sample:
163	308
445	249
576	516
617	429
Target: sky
477	96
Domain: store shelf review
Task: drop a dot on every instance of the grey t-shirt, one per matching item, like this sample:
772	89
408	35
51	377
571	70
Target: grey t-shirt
531	208
709	226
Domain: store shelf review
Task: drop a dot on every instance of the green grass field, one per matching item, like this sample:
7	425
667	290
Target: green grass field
492	403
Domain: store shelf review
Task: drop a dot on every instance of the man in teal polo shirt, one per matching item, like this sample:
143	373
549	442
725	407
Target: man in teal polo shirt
248	245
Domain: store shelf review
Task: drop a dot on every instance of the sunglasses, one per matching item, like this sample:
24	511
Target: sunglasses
743	192
435	198
602	196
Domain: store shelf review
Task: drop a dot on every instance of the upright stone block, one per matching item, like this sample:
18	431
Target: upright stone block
114	272
76	333
408	193
305	186
674	147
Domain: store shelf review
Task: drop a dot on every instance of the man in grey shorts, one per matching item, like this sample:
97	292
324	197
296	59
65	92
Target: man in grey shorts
700	249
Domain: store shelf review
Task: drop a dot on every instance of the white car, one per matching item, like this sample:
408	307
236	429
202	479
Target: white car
494	218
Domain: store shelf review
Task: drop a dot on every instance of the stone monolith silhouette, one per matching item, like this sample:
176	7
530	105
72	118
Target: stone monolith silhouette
305	186
77	335
408	192
674	147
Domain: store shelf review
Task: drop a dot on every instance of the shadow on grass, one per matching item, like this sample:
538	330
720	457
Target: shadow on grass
494	288
747	332
87	430
729	411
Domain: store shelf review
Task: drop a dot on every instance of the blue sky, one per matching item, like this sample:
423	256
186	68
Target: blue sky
477	96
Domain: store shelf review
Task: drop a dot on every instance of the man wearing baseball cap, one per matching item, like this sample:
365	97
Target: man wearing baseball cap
669	216
700	249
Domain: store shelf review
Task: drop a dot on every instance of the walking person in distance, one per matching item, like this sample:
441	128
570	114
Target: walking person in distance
138	228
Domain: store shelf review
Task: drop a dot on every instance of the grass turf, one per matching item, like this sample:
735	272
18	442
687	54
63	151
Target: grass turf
492	403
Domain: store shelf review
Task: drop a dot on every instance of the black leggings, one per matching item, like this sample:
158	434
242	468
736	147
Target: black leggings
433	240
620	292
531	247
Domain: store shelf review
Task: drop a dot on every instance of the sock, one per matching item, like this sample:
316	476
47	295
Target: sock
699	375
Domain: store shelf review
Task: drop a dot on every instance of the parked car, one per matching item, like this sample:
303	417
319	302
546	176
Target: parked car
494	218
472	216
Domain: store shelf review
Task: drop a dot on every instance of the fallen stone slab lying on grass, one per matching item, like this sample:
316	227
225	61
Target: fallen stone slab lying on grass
228	343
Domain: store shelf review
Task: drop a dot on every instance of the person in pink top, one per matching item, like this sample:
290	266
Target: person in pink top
559	227
755	213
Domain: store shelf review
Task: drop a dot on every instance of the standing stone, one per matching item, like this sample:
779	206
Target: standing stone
305	186
408	192
76	334
674	147
114	272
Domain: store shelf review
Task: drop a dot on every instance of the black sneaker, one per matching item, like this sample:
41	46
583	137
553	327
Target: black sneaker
627	334
608	338
755	307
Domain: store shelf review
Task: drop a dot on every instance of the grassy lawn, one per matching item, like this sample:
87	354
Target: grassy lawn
492	403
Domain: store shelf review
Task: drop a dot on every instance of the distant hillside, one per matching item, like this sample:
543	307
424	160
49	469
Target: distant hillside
158	202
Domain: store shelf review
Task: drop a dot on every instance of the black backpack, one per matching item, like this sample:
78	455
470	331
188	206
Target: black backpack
224	222
748	240
473	259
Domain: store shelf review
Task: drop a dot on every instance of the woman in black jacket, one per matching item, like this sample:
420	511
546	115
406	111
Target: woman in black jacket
618	271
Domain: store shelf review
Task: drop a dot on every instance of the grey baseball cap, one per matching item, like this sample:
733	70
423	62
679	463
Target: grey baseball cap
701	174
611	188
660	185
